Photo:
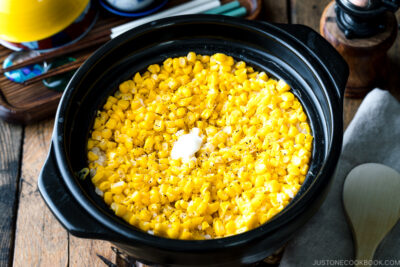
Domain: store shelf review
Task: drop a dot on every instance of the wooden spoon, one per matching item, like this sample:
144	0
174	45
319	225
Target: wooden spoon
371	197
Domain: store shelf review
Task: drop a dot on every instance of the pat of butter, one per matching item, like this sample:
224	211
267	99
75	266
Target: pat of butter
187	145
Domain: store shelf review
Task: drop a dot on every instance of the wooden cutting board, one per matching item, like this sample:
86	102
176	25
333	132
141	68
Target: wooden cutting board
27	104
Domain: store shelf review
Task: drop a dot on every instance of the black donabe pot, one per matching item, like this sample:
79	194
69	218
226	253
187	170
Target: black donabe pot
295	53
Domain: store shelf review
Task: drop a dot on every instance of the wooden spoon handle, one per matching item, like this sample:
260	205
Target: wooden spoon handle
364	256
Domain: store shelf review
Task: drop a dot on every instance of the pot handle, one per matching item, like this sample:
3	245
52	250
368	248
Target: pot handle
67	210
328	55
324	51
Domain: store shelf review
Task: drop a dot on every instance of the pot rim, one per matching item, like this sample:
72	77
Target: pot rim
284	217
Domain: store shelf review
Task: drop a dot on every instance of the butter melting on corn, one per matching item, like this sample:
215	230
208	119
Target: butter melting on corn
187	145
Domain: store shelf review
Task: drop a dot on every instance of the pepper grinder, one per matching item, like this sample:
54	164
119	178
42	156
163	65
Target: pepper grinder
362	31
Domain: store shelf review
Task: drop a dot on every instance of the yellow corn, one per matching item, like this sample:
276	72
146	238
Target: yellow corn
255	154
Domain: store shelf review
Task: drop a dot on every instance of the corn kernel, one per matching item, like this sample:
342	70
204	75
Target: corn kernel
282	86
118	187
92	156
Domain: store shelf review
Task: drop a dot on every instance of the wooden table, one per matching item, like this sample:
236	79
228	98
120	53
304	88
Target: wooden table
29	233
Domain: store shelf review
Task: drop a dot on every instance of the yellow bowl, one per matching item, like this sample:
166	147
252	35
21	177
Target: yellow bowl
32	20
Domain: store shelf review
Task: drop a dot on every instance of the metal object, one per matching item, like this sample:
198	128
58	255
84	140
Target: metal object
363	18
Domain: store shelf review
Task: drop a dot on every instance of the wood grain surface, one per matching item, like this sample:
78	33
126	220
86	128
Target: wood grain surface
84	252
307	12
275	11
47	243
10	152
39	239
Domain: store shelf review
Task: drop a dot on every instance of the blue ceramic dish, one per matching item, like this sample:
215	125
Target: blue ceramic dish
154	7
